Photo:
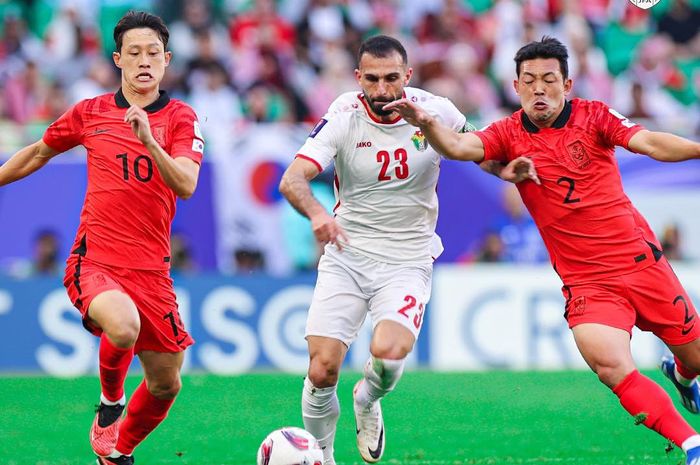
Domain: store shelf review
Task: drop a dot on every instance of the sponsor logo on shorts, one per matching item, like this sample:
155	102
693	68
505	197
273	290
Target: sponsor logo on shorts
577	306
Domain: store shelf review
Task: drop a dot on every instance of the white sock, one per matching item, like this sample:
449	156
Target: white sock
381	376
320	410
115	454
692	441
104	400
682	380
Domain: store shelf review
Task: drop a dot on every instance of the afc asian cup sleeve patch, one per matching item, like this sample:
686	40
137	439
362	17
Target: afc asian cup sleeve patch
197	146
317	128
198	131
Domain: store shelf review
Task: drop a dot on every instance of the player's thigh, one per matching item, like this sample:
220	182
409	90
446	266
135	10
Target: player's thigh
402	298
162	328
102	301
338	306
662	304
606	350
162	372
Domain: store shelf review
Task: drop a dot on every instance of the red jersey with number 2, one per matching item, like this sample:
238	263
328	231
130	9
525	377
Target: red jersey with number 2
590	227
128	208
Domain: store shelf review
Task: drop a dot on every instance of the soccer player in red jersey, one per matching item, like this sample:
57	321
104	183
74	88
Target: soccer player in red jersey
143	151
613	269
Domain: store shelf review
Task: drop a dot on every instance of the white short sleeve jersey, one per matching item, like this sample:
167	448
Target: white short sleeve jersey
385	176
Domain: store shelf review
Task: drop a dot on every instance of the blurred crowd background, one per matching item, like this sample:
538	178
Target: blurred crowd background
242	63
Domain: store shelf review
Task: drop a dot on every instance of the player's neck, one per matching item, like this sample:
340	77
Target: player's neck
141	100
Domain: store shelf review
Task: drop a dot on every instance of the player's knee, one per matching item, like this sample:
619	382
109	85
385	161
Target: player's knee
165	390
323	372
125	334
391	350
611	375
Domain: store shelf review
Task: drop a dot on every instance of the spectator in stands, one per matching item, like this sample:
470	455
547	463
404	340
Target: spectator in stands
671	242
46	253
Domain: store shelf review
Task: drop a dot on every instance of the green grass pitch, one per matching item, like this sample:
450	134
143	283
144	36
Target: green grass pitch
431	419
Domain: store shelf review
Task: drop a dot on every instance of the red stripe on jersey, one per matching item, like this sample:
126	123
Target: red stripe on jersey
304	157
336	181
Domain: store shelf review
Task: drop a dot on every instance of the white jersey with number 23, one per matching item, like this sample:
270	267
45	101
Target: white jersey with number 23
385	176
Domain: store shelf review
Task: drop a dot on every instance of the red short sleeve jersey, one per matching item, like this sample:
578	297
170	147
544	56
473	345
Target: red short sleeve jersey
128	208
590	227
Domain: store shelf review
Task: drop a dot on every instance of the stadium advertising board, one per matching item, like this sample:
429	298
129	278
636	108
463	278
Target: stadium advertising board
240	324
480	317
500	317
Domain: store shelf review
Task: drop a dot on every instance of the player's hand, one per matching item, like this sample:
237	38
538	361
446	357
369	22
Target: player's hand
327	230
138	118
520	169
409	111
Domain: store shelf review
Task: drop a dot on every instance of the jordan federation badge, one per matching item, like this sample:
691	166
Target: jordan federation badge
644	4
419	141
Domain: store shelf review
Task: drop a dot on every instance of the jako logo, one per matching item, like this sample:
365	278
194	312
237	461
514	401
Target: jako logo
362	145
644	4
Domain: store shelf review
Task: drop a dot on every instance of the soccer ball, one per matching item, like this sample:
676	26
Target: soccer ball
290	446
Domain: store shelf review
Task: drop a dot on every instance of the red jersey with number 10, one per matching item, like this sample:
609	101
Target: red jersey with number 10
590	227
128	208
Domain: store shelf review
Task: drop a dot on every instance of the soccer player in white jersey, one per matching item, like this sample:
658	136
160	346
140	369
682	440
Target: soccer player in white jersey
380	245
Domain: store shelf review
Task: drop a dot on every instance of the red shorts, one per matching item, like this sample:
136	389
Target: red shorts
152	292
652	299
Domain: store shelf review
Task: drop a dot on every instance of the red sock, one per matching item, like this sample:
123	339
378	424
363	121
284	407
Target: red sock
143	413
114	365
640	395
685	372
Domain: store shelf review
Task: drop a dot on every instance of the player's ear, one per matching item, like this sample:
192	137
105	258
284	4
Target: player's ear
515	86
168	56
568	85
358	74
116	56
409	73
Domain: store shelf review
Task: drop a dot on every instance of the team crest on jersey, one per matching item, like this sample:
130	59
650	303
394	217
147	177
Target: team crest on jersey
578	154
644	4
419	141
159	135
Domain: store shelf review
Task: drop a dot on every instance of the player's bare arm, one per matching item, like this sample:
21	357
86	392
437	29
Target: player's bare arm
180	174
664	146
457	146
518	170
26	161
295	188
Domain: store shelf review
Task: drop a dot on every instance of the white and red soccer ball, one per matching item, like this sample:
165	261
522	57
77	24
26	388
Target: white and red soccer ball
290	446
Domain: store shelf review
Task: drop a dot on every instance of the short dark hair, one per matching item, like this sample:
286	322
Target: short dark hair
382	46
548	47
140	19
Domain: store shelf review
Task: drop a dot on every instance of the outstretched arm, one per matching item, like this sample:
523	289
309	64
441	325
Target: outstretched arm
295	188
664	146
25	162
451	144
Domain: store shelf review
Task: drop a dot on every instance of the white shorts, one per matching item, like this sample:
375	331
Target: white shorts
349	285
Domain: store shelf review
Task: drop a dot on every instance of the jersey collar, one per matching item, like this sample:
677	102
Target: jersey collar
160	103
559	123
